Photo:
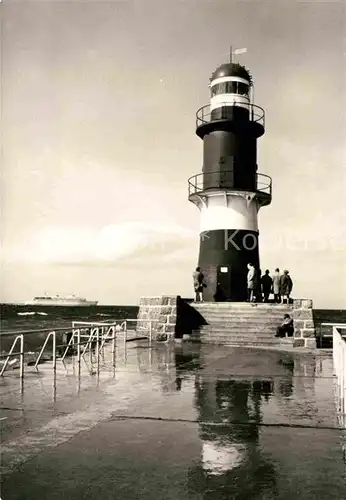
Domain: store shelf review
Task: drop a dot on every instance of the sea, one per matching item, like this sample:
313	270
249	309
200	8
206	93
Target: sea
18	318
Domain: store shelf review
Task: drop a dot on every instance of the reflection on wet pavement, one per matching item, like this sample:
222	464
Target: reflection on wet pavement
182	421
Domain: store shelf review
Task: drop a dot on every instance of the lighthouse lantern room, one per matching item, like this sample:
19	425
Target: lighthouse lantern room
229	191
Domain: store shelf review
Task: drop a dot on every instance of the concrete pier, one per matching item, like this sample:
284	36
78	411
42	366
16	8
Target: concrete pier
175	421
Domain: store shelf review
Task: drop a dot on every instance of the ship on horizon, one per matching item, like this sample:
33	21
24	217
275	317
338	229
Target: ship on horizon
57	300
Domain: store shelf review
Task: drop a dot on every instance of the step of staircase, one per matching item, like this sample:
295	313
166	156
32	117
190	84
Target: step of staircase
264	334
242	340
243	312
240	327
254	344
269	330
239	305
243	319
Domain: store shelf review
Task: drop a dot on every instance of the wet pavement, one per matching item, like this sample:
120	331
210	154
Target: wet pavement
174	422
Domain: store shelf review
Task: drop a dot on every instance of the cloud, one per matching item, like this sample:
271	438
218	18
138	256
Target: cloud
113	243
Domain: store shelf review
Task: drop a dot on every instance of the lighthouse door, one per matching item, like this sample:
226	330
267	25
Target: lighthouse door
223	279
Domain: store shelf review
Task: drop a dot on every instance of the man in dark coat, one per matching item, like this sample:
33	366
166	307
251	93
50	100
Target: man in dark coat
198	284
286	285
257	285
267	284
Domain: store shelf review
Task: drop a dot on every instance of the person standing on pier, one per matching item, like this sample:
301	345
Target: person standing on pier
277	285
250	282
198	284
258	285
286	285
267	284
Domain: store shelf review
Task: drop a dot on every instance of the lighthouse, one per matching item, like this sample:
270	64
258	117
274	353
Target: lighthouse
229	191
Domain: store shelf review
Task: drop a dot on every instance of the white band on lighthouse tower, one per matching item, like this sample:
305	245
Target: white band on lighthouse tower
229	211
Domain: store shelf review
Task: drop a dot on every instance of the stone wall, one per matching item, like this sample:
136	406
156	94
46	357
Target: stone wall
162	311
304	326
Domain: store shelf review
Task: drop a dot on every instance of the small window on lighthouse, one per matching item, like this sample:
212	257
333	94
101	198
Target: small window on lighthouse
243	88
231	87
223	269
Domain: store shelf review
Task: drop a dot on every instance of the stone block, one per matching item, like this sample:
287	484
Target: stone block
306	303
162	318
172	318
297	303
173	301
298	342
166	309
302	314
165	301
169	328
297	333
160	328
299	323
143	315
309	324
308	332
161	337
310	343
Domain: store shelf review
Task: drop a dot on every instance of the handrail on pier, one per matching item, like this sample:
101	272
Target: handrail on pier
50	334
339	362
330	335
21	355
100	334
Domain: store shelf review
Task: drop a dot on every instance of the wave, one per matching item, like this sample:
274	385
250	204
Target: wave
32	313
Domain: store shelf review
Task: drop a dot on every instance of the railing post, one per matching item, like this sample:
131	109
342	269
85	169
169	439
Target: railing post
54	351
150	332
43	348
125	332
98	350
113	346
22	357
78	348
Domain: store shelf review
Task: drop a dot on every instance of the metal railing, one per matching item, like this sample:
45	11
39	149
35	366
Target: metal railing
227	111
326	331
12	354
339	362
53	335
90	335
220	179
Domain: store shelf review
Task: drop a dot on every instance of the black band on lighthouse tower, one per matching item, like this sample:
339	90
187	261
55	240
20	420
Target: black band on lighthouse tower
229	191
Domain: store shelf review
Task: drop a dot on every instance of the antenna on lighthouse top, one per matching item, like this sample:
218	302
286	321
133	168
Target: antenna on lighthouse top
236	52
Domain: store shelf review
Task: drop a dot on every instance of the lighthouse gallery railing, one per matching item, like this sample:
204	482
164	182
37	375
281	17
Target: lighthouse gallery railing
222	112
220	180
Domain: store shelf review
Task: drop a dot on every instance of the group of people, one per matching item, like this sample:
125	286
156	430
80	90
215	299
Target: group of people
259	288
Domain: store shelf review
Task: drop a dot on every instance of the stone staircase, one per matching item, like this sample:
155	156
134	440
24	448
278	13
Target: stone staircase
240	323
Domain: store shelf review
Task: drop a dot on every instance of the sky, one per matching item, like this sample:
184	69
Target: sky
98	141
